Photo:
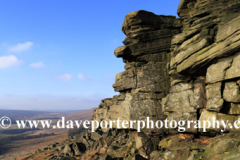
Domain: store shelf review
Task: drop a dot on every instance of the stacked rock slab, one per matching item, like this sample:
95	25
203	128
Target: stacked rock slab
145	81
208	49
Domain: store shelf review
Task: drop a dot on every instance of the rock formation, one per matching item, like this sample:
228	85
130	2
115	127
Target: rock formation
145	81
185	68
182	69
206	52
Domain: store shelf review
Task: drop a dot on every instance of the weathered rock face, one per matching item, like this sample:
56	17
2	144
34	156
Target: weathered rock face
208	47
145	81
181	69
175	68
184	102
210	32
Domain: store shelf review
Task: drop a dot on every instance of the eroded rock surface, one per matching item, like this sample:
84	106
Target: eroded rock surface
208	47
145	81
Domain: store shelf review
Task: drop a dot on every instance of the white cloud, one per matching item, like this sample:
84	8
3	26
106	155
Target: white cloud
20	47
65	77
82	77
37	65
9	61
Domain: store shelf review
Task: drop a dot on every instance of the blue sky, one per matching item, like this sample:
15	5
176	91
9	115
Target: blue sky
58	54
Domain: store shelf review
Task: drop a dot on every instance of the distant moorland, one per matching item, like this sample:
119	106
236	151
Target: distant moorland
16	142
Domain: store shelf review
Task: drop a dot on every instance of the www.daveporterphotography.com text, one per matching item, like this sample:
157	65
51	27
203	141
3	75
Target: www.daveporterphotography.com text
181	125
